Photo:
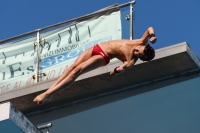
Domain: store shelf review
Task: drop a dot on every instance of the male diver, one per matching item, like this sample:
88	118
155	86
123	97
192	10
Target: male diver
127	51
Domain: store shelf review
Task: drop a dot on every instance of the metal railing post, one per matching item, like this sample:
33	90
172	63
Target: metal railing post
131	19
37	57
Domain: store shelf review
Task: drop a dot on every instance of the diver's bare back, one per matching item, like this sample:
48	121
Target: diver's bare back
119	49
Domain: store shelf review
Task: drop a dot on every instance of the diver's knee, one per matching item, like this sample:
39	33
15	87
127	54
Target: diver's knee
76	70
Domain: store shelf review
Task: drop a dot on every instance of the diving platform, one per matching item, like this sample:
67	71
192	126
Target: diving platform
171	61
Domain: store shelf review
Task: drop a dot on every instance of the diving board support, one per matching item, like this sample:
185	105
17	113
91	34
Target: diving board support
13	121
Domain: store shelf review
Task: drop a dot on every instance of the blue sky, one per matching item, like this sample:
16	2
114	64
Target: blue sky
174	21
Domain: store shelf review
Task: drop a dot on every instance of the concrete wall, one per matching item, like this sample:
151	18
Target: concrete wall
169	106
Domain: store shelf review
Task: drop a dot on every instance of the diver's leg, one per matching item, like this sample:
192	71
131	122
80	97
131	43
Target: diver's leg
91	64
83	57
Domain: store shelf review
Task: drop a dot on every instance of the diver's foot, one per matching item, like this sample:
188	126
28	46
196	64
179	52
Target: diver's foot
41	98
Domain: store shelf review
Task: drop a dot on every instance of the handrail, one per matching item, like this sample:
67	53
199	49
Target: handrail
101	11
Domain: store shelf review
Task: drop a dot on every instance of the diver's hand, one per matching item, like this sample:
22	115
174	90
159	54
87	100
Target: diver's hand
116	70
153	39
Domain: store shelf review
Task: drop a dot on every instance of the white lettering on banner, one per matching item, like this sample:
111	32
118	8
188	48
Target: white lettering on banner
59	58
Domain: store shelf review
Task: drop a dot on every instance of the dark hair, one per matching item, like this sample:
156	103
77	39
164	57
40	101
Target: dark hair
148	53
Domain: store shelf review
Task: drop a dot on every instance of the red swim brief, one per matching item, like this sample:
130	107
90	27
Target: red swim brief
98	51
